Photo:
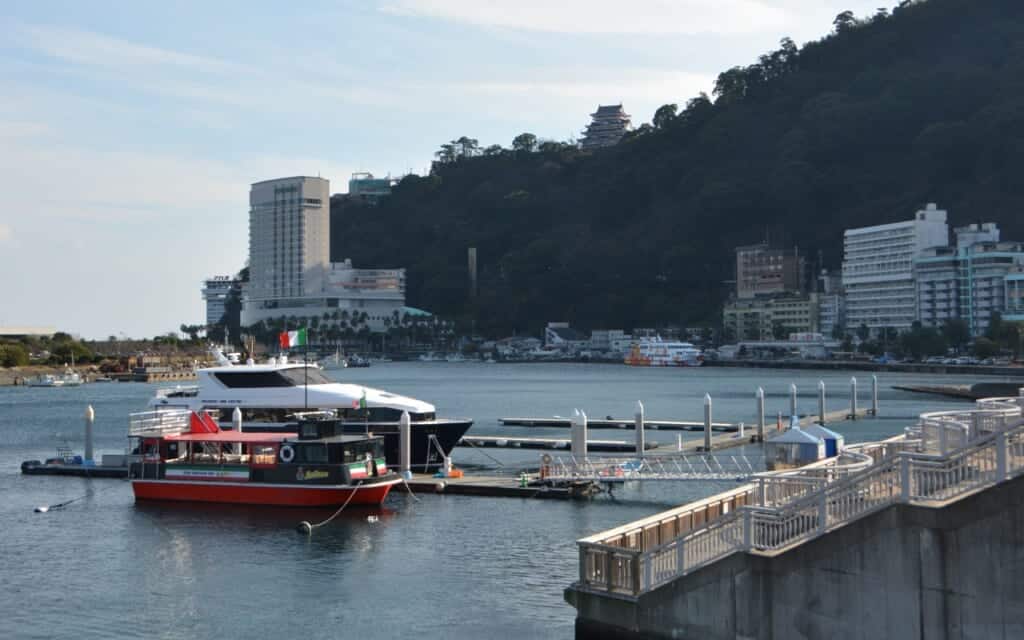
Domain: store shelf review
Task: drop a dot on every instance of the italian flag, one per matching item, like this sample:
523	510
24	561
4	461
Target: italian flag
290	339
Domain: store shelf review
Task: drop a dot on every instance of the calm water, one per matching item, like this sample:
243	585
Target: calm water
443	566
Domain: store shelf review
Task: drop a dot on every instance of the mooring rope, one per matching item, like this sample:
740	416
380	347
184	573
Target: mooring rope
307	528
409	489
61	505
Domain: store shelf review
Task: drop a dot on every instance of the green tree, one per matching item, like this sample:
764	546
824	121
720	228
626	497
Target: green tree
985	348
845	21
664	116
524	142
13	355
957	333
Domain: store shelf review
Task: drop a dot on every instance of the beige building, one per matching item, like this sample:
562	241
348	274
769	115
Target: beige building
762	317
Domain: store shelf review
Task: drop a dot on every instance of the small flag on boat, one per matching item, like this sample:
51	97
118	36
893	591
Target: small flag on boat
289	339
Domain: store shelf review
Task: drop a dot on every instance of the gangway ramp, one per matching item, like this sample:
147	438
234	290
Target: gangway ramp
651	468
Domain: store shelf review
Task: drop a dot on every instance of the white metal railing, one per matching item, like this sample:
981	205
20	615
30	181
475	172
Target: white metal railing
159	423
779	510
663	467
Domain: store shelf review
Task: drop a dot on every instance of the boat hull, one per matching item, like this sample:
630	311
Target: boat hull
262	494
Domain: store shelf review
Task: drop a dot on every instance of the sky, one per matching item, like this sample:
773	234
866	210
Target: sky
131	131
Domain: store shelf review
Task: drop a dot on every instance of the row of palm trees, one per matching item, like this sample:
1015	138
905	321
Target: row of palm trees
344	329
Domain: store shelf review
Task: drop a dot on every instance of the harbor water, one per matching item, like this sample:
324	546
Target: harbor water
439	566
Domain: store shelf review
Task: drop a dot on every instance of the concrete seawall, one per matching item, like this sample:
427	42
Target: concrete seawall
905	572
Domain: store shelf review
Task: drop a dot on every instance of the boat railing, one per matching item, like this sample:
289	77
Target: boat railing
781	510
146	423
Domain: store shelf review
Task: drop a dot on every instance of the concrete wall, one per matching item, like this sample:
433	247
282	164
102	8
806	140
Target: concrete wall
907	572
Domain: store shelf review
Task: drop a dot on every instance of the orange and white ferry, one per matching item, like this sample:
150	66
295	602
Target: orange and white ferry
654	352
185	456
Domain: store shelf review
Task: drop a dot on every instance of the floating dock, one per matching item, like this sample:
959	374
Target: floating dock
504	442
616	423
496	486
36	468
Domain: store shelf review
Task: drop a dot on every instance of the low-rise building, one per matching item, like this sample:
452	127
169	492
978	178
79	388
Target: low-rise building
768	317
559	335
765	269
1014	287
831	304
366	188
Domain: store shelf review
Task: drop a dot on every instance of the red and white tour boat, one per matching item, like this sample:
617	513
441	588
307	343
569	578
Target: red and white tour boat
185	456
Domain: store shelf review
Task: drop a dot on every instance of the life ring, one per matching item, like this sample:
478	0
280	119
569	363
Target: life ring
287	454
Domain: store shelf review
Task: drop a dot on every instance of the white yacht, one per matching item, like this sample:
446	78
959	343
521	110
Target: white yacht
655	352
269	395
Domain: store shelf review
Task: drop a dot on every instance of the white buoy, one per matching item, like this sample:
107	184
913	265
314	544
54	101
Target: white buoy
638	417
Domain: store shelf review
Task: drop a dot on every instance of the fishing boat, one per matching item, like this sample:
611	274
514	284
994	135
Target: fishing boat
655	352
270	395
186	456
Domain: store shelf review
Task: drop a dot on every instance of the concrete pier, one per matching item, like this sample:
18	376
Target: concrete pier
904	572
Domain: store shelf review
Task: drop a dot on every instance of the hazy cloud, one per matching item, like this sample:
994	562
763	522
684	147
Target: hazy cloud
603	16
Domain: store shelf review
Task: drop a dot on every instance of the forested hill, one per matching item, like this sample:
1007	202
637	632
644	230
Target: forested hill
863	127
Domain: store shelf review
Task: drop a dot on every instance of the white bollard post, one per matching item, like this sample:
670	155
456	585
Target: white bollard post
236	423
759	396
853	398
90	417
679	442
639	426
792	400
707	422
579	436
741	429
821	402
405	446
874	395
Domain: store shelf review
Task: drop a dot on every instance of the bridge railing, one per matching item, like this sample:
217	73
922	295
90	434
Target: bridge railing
777	511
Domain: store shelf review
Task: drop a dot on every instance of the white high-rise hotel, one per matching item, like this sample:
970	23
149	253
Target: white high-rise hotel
290	268
878	269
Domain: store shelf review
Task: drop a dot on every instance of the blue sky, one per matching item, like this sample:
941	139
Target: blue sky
130	131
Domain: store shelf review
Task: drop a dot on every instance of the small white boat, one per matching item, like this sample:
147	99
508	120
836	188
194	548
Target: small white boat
46	380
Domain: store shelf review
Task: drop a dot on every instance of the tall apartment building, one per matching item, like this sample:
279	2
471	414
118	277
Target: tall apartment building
831	304
766	269
215	294
290	270
968	281
1014	310
878	268
289	239
607	126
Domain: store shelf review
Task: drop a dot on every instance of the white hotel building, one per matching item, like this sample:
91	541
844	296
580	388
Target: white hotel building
878	269
290	270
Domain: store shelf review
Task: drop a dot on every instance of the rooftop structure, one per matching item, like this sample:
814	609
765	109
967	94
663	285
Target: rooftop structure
366	188
609	123
878	268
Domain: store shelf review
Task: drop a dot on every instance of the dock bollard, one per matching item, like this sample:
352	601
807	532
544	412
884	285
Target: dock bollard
579	435
853	398
874	395
740	431
792	399
405	446
778	422
90	417
759	397
679	442
821	402
707	422
639	418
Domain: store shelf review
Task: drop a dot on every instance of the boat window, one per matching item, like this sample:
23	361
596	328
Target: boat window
263	454
311	453
299	376
252	379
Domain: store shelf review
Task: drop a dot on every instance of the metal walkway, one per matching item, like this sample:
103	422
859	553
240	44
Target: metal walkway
663	467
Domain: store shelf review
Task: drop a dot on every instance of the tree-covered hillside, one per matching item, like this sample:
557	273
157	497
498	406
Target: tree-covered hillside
859	128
